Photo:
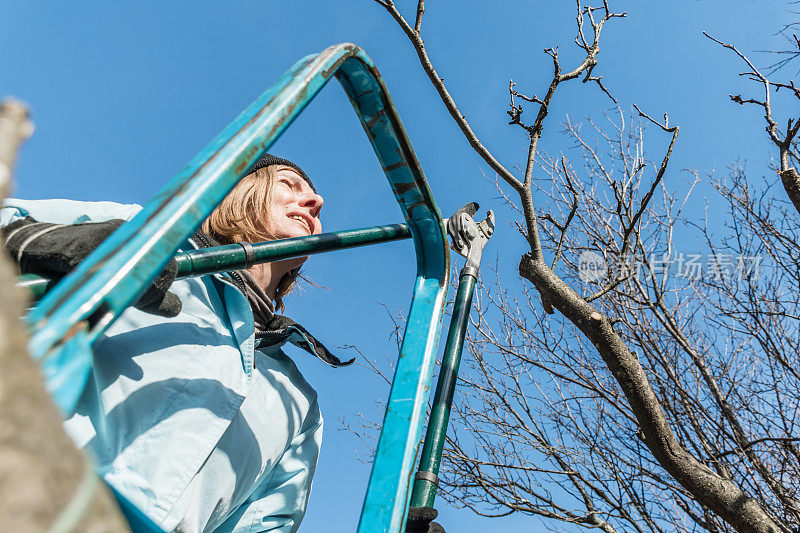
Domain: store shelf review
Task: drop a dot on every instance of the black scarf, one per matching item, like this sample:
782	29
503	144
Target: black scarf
271	329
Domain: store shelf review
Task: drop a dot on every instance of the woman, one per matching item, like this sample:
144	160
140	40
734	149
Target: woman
198	421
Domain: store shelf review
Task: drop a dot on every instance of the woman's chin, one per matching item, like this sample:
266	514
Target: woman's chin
294	234
295	262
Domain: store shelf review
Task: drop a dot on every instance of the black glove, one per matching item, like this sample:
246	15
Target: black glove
421	520
53	250
455	228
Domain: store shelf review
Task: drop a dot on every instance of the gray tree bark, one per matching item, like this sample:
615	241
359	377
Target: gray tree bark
40	468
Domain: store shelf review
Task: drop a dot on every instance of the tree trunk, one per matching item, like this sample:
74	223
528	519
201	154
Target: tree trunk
40	468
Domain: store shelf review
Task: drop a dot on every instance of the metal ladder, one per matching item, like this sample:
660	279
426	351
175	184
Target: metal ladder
106	283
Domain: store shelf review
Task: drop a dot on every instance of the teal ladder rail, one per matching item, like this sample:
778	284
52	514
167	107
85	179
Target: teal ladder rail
112	277
234	257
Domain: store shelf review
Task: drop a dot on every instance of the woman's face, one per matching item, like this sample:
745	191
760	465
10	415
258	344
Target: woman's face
294	206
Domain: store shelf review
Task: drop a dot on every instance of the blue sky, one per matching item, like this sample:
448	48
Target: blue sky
123	94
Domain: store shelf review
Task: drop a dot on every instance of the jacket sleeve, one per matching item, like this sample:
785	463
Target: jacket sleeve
279	502
64	211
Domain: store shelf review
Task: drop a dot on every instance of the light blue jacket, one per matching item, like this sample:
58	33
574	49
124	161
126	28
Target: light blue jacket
184	416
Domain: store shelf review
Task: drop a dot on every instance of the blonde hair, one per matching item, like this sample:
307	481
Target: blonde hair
244	216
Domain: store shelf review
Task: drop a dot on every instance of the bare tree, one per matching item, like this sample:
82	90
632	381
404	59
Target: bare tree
652	401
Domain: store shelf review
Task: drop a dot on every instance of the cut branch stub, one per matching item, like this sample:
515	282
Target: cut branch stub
15	128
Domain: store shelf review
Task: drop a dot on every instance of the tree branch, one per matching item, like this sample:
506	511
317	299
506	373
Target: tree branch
420	12
784	142
662	169
447	99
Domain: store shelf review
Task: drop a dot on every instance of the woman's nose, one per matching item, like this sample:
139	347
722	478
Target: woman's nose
313	202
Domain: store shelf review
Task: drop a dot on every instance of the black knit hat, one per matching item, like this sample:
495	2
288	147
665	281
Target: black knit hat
268	159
